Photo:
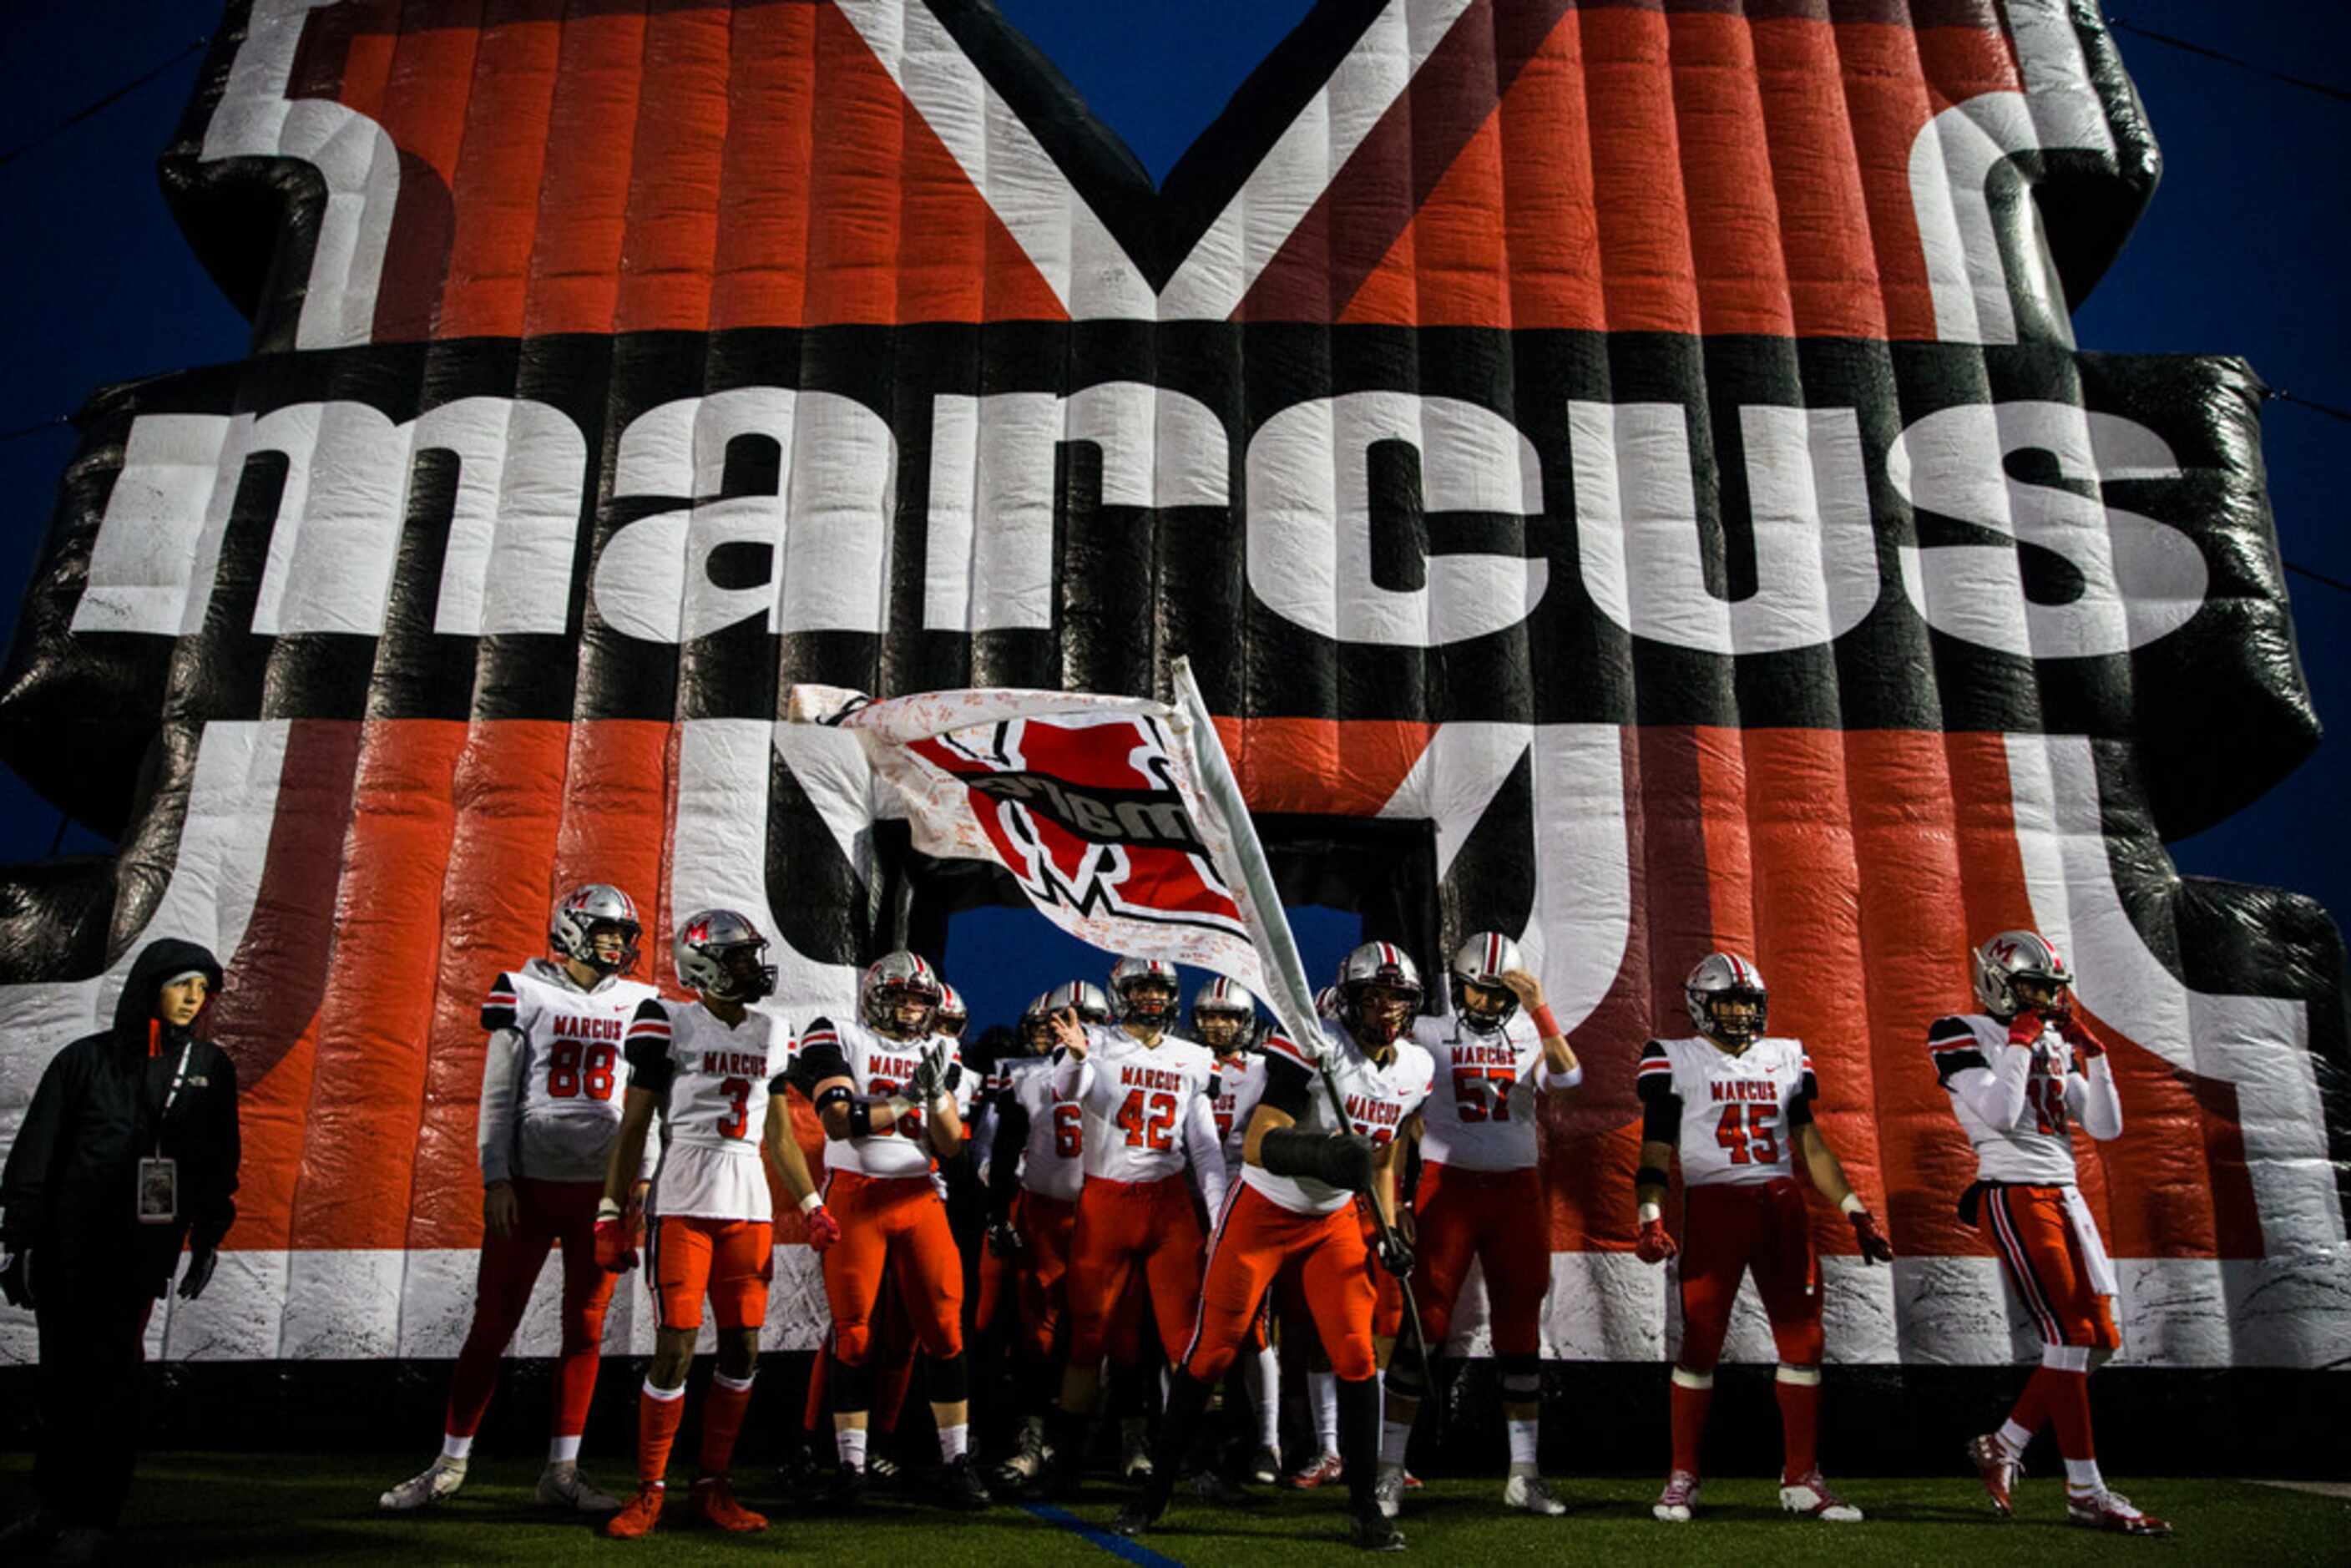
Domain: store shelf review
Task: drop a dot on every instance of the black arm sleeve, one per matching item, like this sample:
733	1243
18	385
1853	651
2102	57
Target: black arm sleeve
1661	1108
25	1180
819	1058
1289	1088
1799	1103
213	1206
1004	1155
650	1067
1953	1047
498	1007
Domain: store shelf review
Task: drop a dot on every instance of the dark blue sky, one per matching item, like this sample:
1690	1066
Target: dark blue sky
2242	253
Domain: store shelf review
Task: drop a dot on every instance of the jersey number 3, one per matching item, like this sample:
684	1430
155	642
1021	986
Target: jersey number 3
573	1071
1746	1131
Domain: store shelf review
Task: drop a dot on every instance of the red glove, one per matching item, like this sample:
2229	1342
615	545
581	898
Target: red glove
2025	1027
614	1252
1655	1245
1875	1247
823	1229
2076	1034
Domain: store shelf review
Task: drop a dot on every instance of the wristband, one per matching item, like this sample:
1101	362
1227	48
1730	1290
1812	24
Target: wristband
1851	1202
1546	1026
812	1201
607	1210
1649	1211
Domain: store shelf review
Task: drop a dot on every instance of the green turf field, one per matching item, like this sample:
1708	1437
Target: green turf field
192	1507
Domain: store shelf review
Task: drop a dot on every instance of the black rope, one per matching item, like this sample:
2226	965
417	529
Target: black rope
2328	409
2340	95
2318	576
125	90
22	431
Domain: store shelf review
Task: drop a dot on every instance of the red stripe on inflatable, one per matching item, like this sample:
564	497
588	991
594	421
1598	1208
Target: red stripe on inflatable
675	158
1346	767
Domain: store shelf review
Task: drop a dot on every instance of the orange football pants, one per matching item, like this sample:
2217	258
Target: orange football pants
897	1224
1258	1241
1727	1229
1122	1226
1501	1219
730	1260
1038	1277
2029	1229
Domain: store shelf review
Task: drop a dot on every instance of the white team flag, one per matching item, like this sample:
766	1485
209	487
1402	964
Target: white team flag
1118	816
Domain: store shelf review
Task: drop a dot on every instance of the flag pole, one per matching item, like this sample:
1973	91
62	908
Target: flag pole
1293	1002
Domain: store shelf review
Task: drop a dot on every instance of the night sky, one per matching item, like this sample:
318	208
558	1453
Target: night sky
2242	253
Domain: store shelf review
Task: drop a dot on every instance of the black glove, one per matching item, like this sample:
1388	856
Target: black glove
1344	1162
1004	1240
16	1277
1395	1253
201	1264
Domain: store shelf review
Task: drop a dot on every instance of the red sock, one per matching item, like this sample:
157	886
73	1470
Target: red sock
575	1390
2069	1411
470	1386
657	1420
1690	1425
722	1417
814	1418
2032	1405
1799	1427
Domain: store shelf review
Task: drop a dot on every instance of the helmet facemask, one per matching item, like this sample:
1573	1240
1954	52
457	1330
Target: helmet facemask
1377	1013
1484	1006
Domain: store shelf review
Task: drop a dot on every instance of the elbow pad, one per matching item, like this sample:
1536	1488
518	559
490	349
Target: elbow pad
1344	1162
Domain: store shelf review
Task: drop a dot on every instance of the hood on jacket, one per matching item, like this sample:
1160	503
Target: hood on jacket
156	962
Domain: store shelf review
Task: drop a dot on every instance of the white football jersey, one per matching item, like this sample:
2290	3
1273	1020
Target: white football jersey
1484	1112
714	1082
1379	1102
2037	1148
1137	1099
1734	1109
878	1066
1053	1161
1240	1084
570	1076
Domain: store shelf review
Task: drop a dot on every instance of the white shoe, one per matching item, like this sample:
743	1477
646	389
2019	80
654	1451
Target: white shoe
1812	1495
1533	1494
439	1480
1135	1449
1388	1490
563	1486
1678	1500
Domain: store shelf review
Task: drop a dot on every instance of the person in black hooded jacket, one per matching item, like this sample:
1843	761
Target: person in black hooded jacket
92	1239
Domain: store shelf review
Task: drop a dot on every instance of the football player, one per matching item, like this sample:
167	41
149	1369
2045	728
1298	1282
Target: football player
954	1018
1736	1105
552	1081
1147	1100
1033	1183
1481	1196
2020	1074
713	1069
892	1094
1225	1019
1294	1211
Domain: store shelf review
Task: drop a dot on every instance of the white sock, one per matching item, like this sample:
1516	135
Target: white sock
452	1447
1268	1371
2013	1438
563	1450
850	1441
2082	1475
1522	1445
1394	1437
1323	1387
952	1440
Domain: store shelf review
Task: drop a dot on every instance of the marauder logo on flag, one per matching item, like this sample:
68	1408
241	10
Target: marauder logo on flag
1621	473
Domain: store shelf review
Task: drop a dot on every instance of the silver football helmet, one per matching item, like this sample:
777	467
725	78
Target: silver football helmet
1092	1007
1224	1017
1155	978
572	929
1378	965
719	954
1037	1025
1481	961
1326	1002
952	1017
2014	955
1722	977
894	983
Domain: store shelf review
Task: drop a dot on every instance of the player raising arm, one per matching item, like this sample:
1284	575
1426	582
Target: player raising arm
2020	1074
1735	1105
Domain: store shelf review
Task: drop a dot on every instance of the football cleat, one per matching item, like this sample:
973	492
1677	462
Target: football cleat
1134	1450
1374	1533
1027	1461
882	1467
563	1486
636	1520
798	1475
848	1491
1678	1500
1324	1472
1135	1517
1533	1494
1266	1469
1809	1494
1387	1492
2110	1510
713	1502
439	1480
1998	1469
1412	1482
1207	1486
959	1485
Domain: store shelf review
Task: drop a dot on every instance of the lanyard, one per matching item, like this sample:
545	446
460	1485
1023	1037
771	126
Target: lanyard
179	1076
